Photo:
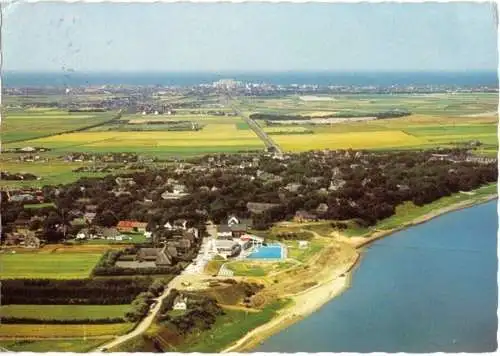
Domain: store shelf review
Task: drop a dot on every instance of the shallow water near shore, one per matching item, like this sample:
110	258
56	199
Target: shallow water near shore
430	288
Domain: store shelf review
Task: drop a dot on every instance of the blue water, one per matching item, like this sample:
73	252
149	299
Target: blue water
14	79
267	252
430	288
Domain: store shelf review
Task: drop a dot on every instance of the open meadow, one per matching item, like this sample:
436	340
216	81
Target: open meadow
54	345
51	261
21	125
35	331
63	312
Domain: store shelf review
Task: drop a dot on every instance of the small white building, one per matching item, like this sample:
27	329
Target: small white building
303	244
180	303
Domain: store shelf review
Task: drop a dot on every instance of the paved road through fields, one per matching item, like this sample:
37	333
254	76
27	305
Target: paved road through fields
146	322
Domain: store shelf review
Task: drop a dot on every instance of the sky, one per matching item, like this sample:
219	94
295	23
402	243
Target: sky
249	37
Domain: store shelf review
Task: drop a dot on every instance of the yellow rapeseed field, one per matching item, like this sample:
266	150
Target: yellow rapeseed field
355	140
211	135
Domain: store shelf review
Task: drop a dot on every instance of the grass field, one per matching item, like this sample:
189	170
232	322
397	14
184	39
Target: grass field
66	345
51	173
212	138
228	329
436	120
23	125
428	104
63	312
51	331
48	265
303	255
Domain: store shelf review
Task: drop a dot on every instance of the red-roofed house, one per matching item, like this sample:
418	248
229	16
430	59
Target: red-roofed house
131	226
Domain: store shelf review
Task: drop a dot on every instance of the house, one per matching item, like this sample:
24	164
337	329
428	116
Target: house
89	217
336	184
91	208
180	303
168	226
160	256
292	187
238	229
303	244
131	226
322	208
124	182
180	224
22	197
179	189
302	216
224	231
234	220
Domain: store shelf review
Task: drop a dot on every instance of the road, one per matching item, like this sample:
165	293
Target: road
257	129
146	322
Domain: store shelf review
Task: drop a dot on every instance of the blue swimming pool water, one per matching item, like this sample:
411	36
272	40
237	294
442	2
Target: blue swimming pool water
267	252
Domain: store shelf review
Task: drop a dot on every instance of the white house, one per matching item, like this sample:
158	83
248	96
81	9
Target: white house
168	226
303	244
180	303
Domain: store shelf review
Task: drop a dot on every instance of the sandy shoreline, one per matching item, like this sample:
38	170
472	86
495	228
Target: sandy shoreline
308	301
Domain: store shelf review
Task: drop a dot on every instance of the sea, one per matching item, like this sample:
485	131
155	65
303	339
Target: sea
383	79
430	288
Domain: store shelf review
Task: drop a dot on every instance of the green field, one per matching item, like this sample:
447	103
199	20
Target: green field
51	173
20	125
63	312
66	345
64	331
227	329
48	265
436	120
214	137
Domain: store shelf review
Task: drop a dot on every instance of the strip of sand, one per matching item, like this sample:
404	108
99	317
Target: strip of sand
308	301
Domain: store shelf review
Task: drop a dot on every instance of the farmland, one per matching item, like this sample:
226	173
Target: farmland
48	265
21	125
49	331
63	312
212	138
54	345
435	120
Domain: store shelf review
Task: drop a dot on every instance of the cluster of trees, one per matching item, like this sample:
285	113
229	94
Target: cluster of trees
17	176
79	291
201	313
379	115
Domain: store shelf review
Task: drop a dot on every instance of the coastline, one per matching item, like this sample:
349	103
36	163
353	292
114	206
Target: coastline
309	301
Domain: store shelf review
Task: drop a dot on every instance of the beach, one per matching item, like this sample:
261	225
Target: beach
310	300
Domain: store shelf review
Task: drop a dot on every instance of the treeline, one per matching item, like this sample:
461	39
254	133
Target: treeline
379	115
87	110
100	291
17	176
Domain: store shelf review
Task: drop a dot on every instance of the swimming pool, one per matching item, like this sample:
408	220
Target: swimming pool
267	252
